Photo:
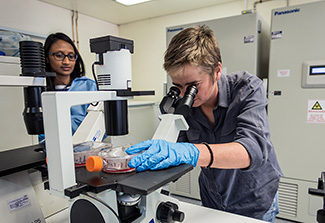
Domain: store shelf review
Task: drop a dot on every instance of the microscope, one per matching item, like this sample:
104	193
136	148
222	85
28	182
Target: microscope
18	199
109	197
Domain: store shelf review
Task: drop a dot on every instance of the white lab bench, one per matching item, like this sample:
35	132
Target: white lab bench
193	214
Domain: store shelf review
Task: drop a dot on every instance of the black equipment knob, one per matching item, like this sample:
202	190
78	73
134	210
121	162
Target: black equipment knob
321	216
168	212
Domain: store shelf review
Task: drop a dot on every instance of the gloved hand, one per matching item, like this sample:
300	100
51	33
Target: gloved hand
161	154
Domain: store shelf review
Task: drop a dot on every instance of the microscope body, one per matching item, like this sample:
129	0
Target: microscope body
64	179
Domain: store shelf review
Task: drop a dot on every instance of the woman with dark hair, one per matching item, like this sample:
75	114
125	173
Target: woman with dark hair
63	58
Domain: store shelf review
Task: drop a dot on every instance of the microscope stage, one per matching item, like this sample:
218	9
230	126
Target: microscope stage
142	183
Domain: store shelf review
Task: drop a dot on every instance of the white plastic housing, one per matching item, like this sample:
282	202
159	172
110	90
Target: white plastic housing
116	73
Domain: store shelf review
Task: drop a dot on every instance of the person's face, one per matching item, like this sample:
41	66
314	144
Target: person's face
193	75
66	66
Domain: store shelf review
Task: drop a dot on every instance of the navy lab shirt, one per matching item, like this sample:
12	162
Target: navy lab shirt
240	116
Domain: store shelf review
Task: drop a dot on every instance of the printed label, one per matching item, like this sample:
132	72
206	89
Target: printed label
249	39
18	203
315	112
97	134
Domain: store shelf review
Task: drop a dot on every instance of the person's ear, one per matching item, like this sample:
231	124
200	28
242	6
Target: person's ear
217	73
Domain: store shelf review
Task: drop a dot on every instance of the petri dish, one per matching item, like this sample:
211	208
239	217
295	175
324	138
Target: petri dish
116	160
86	149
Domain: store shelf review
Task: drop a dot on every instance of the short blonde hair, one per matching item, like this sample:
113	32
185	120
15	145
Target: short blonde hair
196	46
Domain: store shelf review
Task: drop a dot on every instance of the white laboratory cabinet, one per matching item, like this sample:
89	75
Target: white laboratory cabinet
297	105
244	45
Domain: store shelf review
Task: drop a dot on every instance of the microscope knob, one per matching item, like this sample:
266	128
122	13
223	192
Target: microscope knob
168	212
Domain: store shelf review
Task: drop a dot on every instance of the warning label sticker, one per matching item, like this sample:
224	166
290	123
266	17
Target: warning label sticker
315	111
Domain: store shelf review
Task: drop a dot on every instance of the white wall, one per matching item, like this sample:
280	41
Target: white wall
150	38
42	18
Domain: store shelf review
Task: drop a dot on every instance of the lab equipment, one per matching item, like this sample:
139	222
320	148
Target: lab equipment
19	202
193	214
174	104
114	58
159	154
320	191
313	74
16	135
115	73
62	175
296	95
115	105
86	149
111	160
33	64
167	105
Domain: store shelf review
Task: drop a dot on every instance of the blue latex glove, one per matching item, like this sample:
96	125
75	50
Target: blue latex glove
160	154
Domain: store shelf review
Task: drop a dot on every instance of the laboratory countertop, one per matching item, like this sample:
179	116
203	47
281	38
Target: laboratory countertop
193	214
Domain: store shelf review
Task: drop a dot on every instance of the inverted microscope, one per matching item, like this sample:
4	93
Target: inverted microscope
110	197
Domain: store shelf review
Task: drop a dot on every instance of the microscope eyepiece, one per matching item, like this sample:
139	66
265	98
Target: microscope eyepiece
167	105
185	104
174	91
174	104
